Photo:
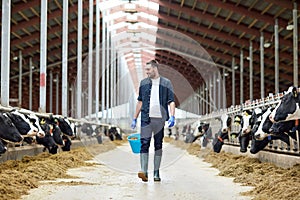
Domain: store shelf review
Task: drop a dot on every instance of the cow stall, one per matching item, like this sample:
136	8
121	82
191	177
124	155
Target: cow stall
40	132
277	147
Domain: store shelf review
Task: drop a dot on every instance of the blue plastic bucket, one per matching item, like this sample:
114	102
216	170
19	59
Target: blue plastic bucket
135	142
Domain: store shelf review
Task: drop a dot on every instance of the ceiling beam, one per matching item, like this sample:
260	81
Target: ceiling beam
223	22
54	14
225	46
52	30
257	68
283	4
232	40
254	14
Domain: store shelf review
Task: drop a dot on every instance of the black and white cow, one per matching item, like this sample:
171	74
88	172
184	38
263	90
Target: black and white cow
207	134
35	120
24	125
288	107
251	121
223	133
65	127
268	127
87	129
64	124
267	131
114	133
52	128
47	141
8	130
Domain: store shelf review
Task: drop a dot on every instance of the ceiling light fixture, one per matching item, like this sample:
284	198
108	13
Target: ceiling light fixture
131	18
289	27
267	44
130	8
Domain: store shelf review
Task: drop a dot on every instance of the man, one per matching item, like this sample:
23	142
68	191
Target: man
155	95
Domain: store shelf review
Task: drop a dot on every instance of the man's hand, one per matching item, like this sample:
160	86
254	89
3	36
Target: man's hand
133	124
171	121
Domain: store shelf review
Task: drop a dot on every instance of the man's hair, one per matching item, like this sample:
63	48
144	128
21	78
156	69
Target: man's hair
153	63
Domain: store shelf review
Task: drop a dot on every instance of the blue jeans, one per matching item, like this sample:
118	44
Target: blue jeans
155	126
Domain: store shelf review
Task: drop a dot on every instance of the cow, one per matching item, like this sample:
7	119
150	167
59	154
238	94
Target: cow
223	132
87	129
285	131
65	126
267	131
48	142
74	128
207	134
8	130
288	107
24	125
114	133
53	129
192	136
265	125
251	121
34	119
268	127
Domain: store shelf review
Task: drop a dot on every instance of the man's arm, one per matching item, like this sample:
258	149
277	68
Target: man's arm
172	108
137	109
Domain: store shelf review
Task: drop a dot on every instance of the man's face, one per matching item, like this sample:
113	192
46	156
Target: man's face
150	71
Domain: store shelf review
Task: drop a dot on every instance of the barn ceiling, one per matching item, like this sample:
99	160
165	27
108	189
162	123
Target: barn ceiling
222	27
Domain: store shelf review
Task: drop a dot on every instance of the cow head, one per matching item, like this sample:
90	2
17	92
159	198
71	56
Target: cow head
257	145
87	129
36	123
48	142
64	125
282	127
288	107
22	123
246	126
57	135
250	122
267	127
8	130
263	129
52	129
244	137
225	123
219	143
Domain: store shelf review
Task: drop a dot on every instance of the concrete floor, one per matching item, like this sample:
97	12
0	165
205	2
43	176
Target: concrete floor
183	177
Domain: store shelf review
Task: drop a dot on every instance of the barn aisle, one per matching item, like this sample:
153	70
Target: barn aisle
183	177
